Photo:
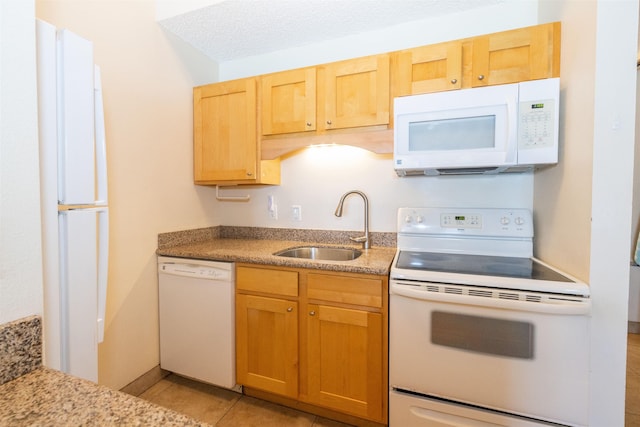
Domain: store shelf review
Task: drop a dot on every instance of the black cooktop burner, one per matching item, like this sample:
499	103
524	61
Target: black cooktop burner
526	268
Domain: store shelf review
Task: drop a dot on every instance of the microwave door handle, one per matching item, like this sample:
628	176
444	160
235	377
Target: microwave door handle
512	129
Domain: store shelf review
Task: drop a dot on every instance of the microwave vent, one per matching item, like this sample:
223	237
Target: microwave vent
469	171
464	171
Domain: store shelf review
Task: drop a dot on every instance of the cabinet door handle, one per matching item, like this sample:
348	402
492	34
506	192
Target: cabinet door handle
249	173
312	313
454	81
309	124
481	77
289	309
328	122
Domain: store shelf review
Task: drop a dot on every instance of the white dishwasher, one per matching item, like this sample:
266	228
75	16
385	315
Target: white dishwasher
197	319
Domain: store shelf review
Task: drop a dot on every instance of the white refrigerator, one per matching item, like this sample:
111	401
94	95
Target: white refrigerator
74	206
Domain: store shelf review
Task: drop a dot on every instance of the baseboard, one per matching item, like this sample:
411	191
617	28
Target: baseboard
145	381
634	327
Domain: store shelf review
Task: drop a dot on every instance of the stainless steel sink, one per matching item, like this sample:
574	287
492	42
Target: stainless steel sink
321	253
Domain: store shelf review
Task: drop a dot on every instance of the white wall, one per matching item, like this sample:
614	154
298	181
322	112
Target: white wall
504	16
20	239
587	201
316	178
147	99
613	143
562	195
582	206
170	8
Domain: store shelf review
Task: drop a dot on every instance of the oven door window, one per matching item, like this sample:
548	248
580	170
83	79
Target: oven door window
500	337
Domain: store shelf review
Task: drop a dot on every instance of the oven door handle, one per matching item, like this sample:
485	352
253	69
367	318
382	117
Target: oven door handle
551	304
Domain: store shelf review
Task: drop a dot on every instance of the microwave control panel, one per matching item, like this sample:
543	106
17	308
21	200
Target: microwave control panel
538	121
537	124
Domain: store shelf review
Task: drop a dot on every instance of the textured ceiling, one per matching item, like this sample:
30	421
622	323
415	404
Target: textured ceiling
233	29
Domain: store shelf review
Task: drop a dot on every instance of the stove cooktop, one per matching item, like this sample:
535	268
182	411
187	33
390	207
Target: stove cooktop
482	247
521	268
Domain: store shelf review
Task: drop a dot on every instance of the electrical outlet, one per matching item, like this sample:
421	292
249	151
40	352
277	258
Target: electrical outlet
296	212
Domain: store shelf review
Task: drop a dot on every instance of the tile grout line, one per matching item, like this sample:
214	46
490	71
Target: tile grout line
229	409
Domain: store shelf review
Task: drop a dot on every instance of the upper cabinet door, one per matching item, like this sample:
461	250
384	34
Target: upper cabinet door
289	101
426	69
354	93
529	53
225	132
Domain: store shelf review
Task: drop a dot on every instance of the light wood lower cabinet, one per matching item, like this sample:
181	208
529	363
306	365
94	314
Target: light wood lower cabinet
266	344
318	338
344	360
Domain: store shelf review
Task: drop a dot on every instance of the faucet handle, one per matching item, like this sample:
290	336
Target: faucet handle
362	239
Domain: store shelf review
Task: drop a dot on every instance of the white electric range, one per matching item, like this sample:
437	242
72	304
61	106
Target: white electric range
481	330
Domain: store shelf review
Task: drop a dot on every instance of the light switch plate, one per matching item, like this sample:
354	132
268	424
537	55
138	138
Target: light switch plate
296	212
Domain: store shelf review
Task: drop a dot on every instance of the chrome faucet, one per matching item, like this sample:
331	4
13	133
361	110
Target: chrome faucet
362	239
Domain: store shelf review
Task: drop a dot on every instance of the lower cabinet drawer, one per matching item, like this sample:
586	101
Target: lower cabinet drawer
345	289
281	282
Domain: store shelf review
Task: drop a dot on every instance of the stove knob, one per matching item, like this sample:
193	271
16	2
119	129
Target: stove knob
519	221
419	219
504	220
408	219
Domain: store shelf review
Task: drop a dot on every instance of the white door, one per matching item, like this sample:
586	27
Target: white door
76	131
79	292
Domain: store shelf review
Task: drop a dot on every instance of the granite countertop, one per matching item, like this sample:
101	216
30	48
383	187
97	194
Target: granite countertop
376	260
32	395
45	397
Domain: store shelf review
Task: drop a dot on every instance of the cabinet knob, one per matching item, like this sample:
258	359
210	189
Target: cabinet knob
249	173
289	309
312	313
309	124
328	122
454	81
481	77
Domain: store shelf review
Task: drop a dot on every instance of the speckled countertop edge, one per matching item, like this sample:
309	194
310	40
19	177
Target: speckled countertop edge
376	260
338	237
32	395
257	246
45	397
20	347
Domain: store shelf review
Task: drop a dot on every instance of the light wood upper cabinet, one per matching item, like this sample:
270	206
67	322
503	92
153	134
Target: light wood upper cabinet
341	95
354	93
529	53
513	56
425	69
240	132
288	101
225	145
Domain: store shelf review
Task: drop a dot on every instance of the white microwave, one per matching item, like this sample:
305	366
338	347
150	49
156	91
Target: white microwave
488	130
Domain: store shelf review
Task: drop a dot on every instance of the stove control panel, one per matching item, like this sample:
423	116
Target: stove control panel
466	221
461	220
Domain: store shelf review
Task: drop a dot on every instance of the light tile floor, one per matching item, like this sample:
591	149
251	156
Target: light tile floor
632	402
224	408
